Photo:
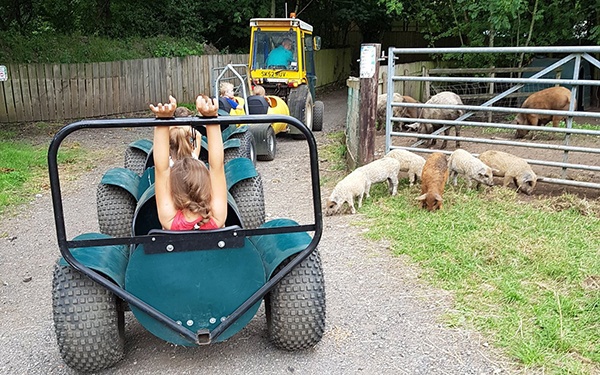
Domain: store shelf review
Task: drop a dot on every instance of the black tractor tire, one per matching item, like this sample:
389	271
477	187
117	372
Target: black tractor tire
116	207
300	103
318	111
247	147
249	198
88	323
135	160
271	145
295	308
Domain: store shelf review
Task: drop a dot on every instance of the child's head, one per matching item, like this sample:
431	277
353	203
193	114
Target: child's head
226	89
180	142
190	186
183	112
258	90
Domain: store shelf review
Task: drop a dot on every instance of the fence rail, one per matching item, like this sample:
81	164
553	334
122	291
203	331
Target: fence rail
48	92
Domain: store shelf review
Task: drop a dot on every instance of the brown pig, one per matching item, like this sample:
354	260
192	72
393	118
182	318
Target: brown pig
554	98
433	180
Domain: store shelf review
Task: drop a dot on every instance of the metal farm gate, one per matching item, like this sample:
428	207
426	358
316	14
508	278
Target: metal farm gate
568	155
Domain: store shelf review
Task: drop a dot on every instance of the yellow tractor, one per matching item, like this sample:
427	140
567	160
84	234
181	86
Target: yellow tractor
282	61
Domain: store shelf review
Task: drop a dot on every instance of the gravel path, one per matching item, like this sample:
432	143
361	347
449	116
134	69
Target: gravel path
381	318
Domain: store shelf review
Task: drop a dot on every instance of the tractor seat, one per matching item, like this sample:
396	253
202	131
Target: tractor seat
257	105
224	104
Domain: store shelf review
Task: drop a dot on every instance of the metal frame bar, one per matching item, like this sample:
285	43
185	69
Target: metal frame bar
203	336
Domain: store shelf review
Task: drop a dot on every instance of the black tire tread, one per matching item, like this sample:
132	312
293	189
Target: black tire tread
249	198
116	207
135	160
245	150
318	112
295	308
88	324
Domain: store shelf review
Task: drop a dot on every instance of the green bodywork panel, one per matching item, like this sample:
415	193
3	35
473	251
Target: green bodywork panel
146	180
110	261
231	143
123	177
196	288
239	169
142	144
275	248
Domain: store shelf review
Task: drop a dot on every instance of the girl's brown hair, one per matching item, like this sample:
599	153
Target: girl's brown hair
180	145
190	186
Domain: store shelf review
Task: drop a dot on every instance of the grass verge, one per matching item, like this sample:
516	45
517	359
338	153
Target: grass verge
24	170
525	274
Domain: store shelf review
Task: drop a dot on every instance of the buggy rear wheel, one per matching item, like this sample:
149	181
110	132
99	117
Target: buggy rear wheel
116	207
88	323
270	144
247	147
295	308
318	111
249	198
135	160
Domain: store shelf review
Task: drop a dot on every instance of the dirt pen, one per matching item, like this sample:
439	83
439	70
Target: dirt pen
567	155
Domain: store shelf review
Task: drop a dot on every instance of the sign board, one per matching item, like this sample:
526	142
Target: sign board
368	59
3	73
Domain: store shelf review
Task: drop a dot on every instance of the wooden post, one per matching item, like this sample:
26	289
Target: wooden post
369	79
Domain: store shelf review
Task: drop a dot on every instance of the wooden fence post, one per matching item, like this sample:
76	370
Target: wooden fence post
369	79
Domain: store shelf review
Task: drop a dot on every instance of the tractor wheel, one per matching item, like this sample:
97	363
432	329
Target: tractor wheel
318	111
300	103
247	148
88	323
249	198
271	145
135	160
295	308
116	207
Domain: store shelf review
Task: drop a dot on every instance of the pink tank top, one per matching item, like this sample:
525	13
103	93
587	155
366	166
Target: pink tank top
180	223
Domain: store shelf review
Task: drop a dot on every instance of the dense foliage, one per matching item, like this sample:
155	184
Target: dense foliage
224	23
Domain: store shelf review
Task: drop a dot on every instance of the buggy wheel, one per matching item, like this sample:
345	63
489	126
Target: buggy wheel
268	137
295	308
249	198
300	103
135	160
89	325
318	111
116	207
247	148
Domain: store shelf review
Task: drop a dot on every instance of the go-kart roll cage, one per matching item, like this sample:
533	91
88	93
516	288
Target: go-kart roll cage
221	236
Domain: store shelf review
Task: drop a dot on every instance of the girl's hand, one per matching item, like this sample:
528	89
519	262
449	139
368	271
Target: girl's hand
165	110
206	106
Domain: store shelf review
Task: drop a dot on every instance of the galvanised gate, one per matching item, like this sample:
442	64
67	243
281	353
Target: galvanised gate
504	94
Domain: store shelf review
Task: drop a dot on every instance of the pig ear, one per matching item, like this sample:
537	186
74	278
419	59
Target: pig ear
422	197
438	198
495	171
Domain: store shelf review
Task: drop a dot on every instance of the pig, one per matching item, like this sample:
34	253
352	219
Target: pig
554	98
433	181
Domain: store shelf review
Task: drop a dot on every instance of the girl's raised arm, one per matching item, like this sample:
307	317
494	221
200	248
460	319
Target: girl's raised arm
164	201
208	108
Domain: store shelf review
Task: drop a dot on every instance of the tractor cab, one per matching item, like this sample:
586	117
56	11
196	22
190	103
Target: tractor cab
282	61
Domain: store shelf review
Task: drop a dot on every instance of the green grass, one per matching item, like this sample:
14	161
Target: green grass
562	124
332	156
525	274
24	167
